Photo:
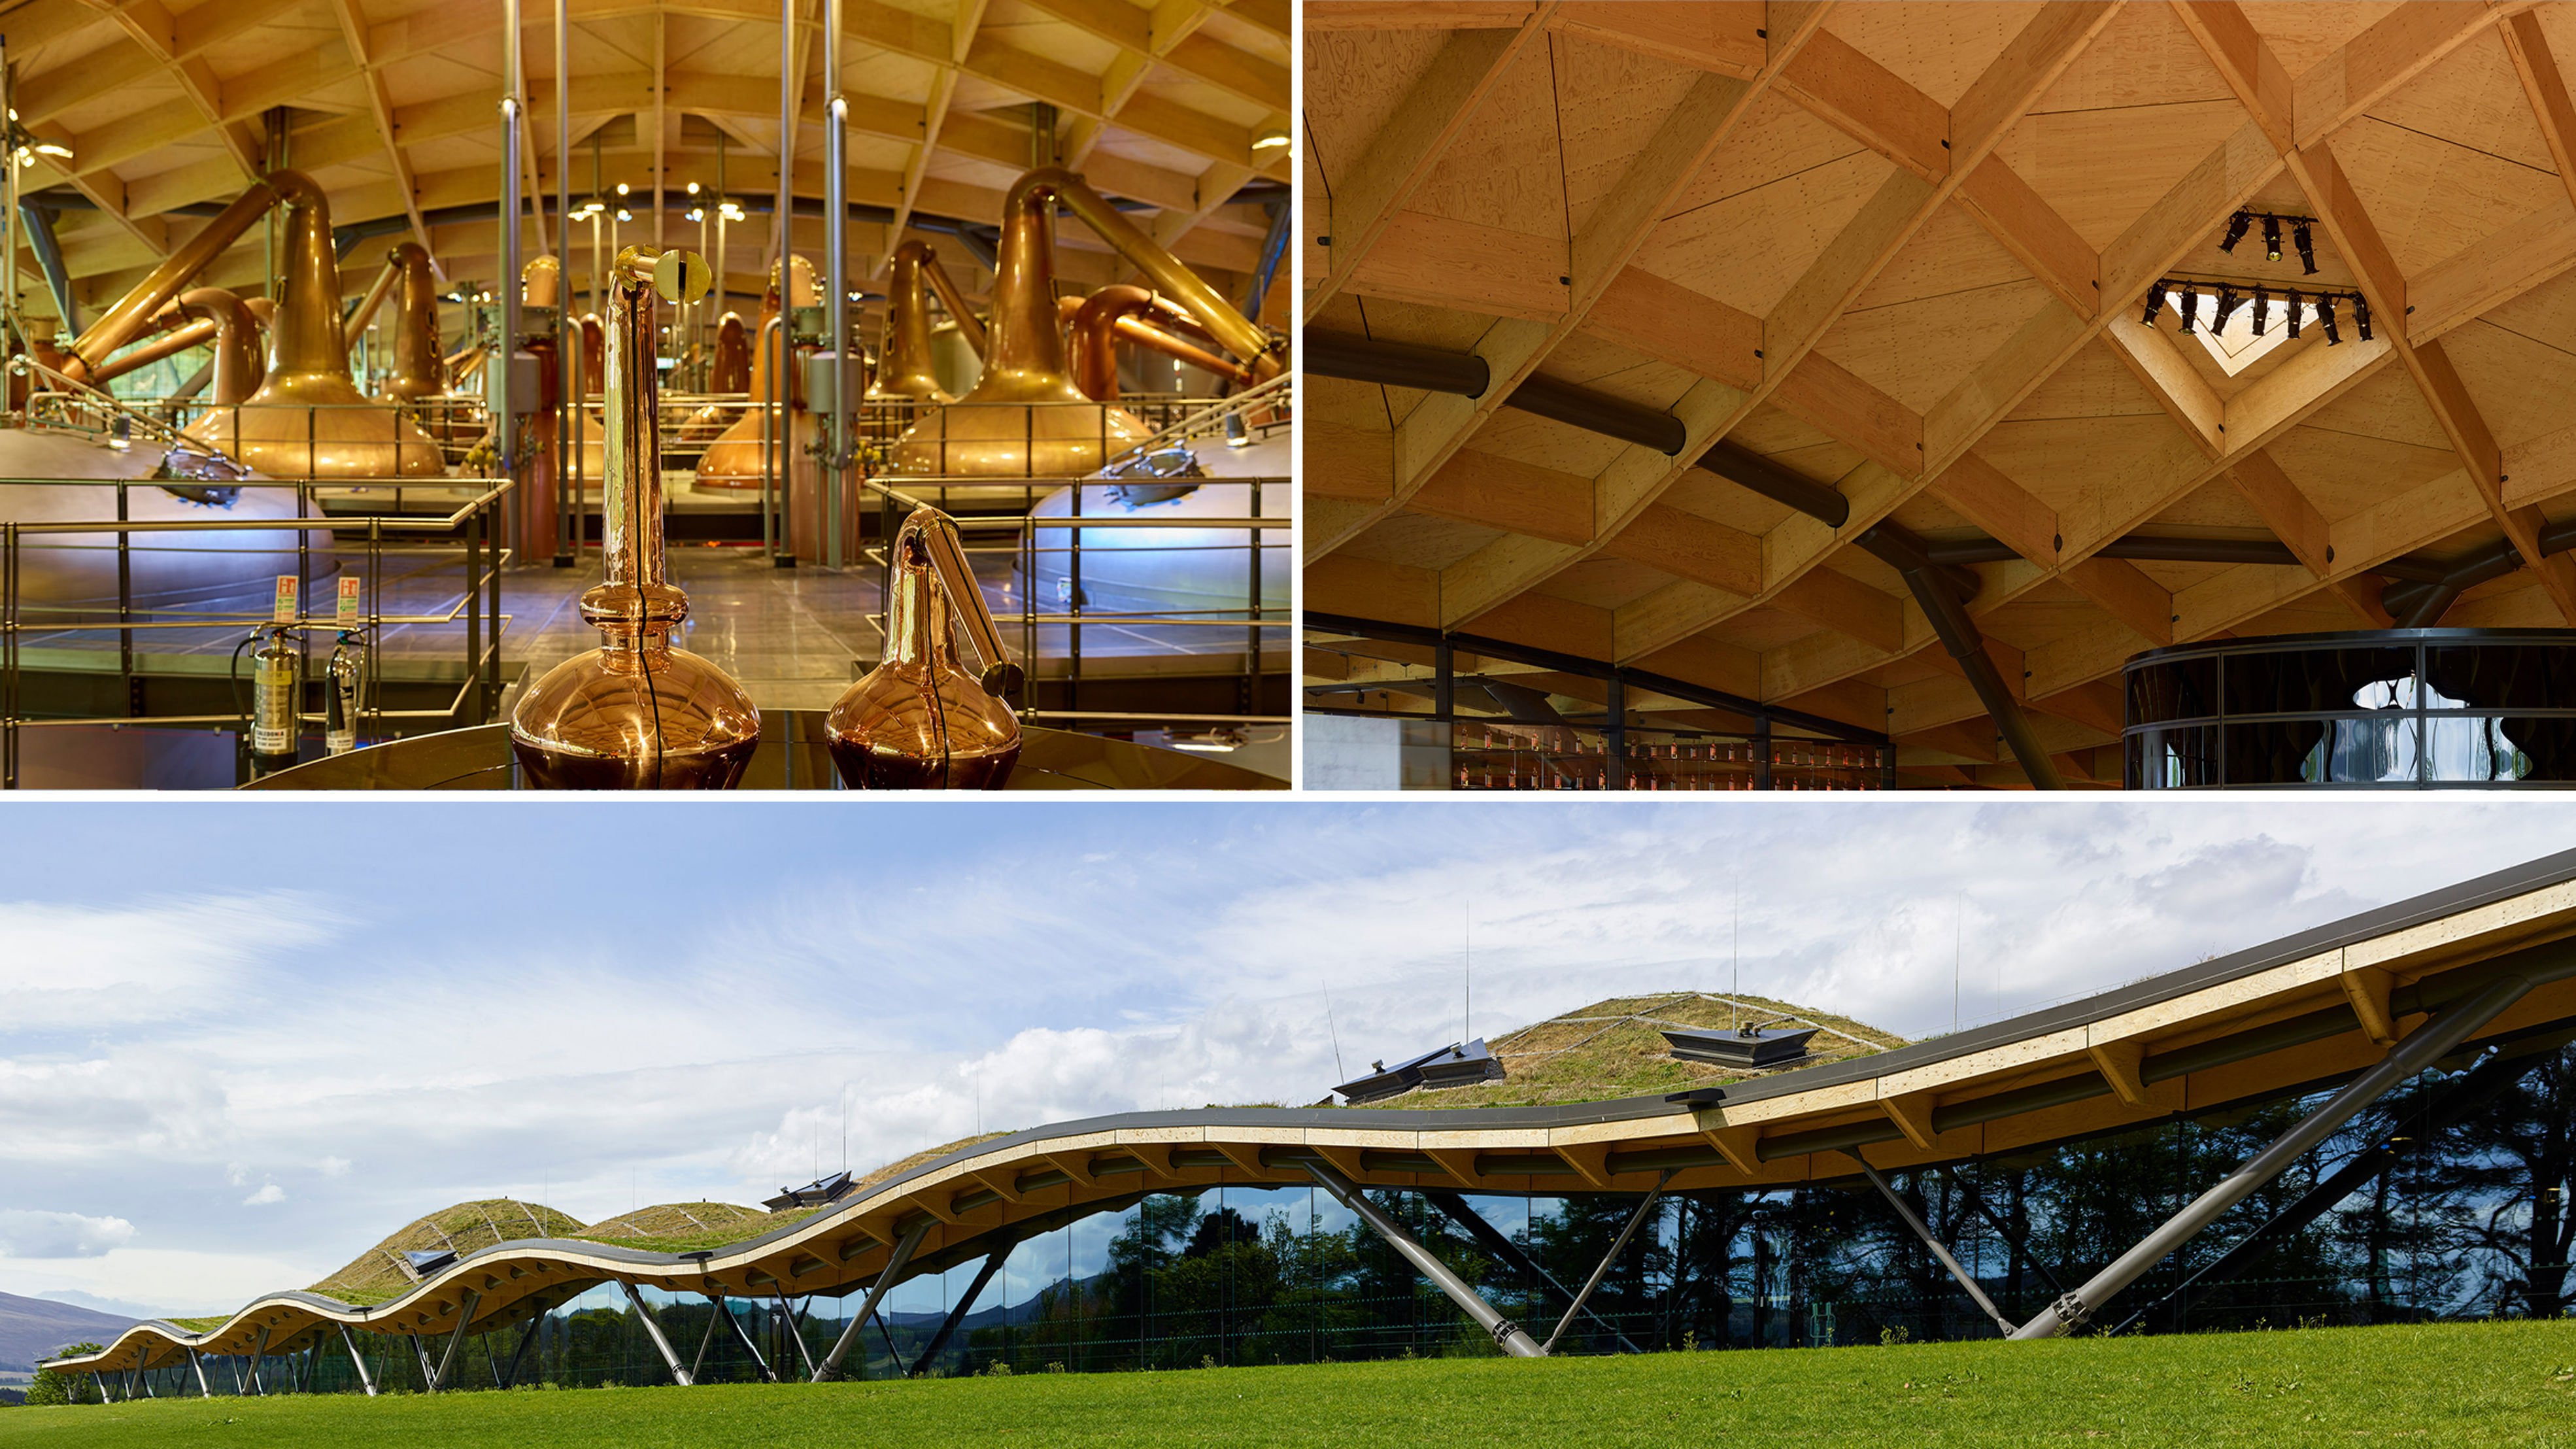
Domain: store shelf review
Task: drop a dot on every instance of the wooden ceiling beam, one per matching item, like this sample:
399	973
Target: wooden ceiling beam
353	33
1382	180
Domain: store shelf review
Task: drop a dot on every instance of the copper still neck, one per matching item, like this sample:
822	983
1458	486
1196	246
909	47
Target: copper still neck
133	311
920	720
969	326
635	603
305	339
1109	316
905	371
236	336
1265	355
416	370
731	371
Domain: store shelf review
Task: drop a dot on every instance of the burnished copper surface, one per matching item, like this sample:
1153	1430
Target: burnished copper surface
733	460
904	373
638	712
307	419
919	720
414	370
728	371
1024	418
1112	315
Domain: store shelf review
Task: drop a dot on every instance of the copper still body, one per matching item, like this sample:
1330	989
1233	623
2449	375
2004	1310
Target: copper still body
919	720
733	460
415	370
903	370
307	419
1024	418
728	371
639	712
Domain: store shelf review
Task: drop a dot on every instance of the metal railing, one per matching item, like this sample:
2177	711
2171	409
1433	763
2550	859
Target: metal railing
472	524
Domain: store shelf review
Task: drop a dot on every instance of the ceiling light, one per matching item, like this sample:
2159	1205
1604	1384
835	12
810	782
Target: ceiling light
621	188
2227	300
2361	316
2262	304
2292	300
2189	306
2236	224
2271	238
624	215
1270	140
693	188
2155	303
2325	315
2307	245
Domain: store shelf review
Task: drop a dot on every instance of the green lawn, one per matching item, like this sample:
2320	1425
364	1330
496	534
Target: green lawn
2505	1383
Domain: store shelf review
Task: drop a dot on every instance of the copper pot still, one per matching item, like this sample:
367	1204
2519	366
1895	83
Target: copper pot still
919	720
639	712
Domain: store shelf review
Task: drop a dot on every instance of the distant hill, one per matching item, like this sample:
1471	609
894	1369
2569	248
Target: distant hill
31	1328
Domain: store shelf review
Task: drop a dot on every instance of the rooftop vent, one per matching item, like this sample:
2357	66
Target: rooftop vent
813	1194
1744	1048
1459	1064
425	1262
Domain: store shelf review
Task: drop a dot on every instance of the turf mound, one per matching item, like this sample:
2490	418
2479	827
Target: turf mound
688	1227
1615	1048
382	1272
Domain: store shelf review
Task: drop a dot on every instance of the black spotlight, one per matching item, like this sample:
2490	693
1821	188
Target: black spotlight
2155	303
2307	245
2271	238
2325	315
2262	304
2236	225
2361	315
2189	306
2227	300
2290	300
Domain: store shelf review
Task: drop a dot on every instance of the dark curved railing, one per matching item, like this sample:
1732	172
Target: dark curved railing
2383	709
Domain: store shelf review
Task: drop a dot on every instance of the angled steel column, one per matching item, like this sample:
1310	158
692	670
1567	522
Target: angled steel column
258	1352
1602	1270
743	1336
519	1355
198	1362
830	1367
796	1330
653	1331
1492	1240
1508	1335
355	1361
49	257
464	1319
1923	1230
1977	1204
965	1304
707	1339
2490	1078
428	1370
2431	1042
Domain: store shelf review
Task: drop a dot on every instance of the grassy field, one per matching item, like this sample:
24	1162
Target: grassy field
2505	1383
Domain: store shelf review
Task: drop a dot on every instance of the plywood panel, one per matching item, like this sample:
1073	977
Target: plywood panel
1420	541
2345	474
1372	71
2522	386
2102	168
1916	352
2430	198
2144	57
1776	137
1607	583
2302	32
1952	253
1609	104
1939	50
2384	405
2546	314
1505	170
1747	249
2095	384
2473	97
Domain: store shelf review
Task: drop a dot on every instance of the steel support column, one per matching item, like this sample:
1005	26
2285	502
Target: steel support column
428	1370
355	1361
653	1331
965	1304
742	1335
836	286
2435	1039
795	1320
258	1352
1508	1336
205	1390
519	1355
830	1367
464	1319
1940	1250
1492	1240
49	259
707	1339
1602	1270
1614	735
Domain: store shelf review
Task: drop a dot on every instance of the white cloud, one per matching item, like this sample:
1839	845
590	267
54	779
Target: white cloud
73	967
268	1193
25	1233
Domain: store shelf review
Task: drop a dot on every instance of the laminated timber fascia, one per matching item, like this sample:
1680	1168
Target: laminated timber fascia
1513	349
2290	998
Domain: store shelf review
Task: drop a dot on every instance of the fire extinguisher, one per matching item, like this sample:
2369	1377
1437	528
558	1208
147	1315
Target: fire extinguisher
276	690
340	709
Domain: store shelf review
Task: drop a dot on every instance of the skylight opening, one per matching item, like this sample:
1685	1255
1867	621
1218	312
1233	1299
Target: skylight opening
2235	347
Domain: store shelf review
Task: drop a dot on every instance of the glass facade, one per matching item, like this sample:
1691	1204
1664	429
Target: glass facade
2393	709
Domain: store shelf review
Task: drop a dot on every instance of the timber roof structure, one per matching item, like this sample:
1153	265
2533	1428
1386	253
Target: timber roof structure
169	109
2283	1018
1901	250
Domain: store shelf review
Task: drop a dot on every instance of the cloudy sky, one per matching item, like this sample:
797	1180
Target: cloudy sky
239	1043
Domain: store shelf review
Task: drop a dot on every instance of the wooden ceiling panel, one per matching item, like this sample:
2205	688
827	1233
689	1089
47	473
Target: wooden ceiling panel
1622	373
2094	384
1378	68
2216	509
2522	386
1529	438
2344	474
1748	249
2069	463
2387	406
1705	495
2429	197
1776	138
2472	97
1938	50
2546	314
1916	352
2303	32
1606	583
1418	540
2101	168
2144	57
1952	255
1609	103
1505	170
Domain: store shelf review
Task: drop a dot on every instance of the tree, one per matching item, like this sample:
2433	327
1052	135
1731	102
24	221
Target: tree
50	1387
